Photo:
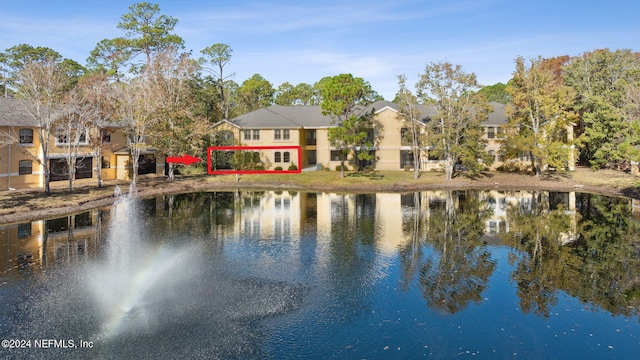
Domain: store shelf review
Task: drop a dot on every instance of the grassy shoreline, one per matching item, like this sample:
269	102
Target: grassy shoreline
23	205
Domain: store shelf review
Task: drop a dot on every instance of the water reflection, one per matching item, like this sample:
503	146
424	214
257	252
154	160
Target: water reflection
458	268
366	260
582	244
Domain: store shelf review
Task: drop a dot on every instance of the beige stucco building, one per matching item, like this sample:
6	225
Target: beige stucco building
305	126
21	154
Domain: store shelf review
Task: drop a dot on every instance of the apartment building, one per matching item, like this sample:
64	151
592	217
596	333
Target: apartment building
307	127
21	155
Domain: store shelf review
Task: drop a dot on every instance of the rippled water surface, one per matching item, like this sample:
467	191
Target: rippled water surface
460	274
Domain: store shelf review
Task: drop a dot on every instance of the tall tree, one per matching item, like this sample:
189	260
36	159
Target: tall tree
455	131
632	119
177	130
299	95
219	56
15	58
496	92
344	98
409	113
136	108
255	93
146	32
601	78
539	116
42	82
4	74
93	101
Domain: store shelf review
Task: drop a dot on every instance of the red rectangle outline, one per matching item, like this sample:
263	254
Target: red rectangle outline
270	147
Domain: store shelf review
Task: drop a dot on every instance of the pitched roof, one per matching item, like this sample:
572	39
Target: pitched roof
497	116
279	116
13	112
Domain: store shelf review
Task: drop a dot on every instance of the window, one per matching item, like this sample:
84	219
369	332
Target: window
63	138
406	159
256	134
285	134
311	137
26	136
499	131
106	136
84	168
277	157
277	134
106	162
286	157
335	155
247	134
25	167
147	164
491	133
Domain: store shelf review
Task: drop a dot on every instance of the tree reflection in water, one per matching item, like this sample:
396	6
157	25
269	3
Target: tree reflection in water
536	232
457	271
585	245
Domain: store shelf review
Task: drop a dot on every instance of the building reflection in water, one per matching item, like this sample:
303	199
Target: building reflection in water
277	214
52	241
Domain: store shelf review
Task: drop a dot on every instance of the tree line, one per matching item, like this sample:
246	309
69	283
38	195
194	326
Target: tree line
595	94
148	85
144	83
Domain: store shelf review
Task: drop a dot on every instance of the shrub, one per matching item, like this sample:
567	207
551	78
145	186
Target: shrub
339	168
293	167
278	168
192	170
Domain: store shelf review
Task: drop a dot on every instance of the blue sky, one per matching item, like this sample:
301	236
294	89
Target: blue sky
303	41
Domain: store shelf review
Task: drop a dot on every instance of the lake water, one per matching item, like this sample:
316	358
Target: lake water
241	275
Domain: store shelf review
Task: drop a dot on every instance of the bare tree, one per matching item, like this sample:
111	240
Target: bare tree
410	115
177	130
136	109
41	83
71	133
94	103
219	56
455	131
